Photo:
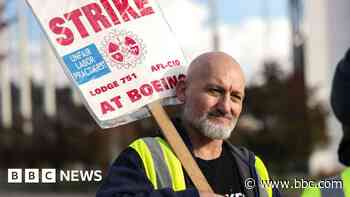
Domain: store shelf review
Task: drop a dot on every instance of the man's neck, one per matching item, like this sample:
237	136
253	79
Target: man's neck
204	147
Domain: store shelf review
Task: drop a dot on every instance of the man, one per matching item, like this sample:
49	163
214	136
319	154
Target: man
340	102
212	97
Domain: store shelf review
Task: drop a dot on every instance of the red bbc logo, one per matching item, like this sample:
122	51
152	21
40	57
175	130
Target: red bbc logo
31	176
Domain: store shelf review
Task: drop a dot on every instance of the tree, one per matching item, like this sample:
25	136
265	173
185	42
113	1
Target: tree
287	133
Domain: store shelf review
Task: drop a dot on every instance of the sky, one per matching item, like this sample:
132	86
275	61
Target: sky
238	11
245	32
250	30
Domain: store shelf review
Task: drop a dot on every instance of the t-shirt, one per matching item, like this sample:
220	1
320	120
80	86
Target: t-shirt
222	174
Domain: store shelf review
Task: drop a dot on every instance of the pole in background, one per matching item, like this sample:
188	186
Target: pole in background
298	41
297	37
298	86
49	85
6	102
214	24
25	84
266	42
75	96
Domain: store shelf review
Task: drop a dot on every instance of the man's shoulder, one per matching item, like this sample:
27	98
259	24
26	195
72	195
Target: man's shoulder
247	158
146	139
240	151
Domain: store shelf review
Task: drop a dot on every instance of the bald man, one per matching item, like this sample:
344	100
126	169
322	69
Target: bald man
212	97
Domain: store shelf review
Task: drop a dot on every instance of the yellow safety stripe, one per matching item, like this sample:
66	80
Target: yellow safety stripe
146	156
345	175
263	174
311	192
174	166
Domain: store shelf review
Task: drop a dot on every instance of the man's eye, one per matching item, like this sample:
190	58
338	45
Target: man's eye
236	98
214	92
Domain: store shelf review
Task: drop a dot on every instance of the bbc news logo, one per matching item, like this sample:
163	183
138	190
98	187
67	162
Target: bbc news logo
52	175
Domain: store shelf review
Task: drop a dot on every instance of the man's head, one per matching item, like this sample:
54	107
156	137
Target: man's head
212	94
340	104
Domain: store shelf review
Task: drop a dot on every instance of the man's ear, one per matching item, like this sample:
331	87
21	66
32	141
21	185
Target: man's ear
181	90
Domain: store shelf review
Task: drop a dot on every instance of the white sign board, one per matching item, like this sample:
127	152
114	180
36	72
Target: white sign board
121	55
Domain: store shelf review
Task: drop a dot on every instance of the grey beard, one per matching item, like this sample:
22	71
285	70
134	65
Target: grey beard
206	127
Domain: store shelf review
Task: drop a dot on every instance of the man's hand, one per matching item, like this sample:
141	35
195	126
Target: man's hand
209	194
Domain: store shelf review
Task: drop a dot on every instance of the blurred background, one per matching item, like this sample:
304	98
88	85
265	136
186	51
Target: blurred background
287	48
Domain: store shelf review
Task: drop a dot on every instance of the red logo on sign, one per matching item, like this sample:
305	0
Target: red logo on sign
123	49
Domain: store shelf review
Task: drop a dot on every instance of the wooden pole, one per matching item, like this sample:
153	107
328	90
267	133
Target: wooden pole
175	141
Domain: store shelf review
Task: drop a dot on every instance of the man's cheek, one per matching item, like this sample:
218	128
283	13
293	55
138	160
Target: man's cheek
200	107
236	110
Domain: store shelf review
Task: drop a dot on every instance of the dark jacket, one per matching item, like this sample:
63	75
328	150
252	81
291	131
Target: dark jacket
340	102
127	176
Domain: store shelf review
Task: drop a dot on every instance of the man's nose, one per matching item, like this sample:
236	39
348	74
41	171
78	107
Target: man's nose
224	105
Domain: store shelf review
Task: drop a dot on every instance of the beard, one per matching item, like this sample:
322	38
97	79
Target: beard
207	127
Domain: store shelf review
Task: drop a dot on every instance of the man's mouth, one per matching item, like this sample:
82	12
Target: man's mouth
219	116
223	119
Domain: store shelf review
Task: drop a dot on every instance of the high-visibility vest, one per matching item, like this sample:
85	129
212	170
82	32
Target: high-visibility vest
334	189
163	168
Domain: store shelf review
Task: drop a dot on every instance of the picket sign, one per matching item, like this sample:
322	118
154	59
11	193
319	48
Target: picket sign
122	56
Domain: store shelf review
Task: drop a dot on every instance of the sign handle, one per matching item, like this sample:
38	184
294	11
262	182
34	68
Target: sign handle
175	141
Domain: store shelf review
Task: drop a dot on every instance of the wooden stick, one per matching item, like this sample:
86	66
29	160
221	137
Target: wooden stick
179	147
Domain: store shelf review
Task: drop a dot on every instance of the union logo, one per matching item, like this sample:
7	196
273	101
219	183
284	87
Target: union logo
123	49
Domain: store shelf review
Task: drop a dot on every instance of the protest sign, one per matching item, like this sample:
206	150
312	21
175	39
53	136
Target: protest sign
121	55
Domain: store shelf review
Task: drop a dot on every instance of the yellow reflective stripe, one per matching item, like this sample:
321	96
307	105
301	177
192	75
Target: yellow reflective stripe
263	174
311	192
174	166
146	156
345	175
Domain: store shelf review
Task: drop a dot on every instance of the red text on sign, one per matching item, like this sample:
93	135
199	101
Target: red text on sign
104	88
97	16
144	90
128	78
154	86
111	105
169	64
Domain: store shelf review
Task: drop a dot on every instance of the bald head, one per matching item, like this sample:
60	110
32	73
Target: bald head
212	94
209	62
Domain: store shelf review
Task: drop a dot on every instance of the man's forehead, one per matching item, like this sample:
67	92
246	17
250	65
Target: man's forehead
225	81
217	64
212	59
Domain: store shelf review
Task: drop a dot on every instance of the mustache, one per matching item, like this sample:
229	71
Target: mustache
220	113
